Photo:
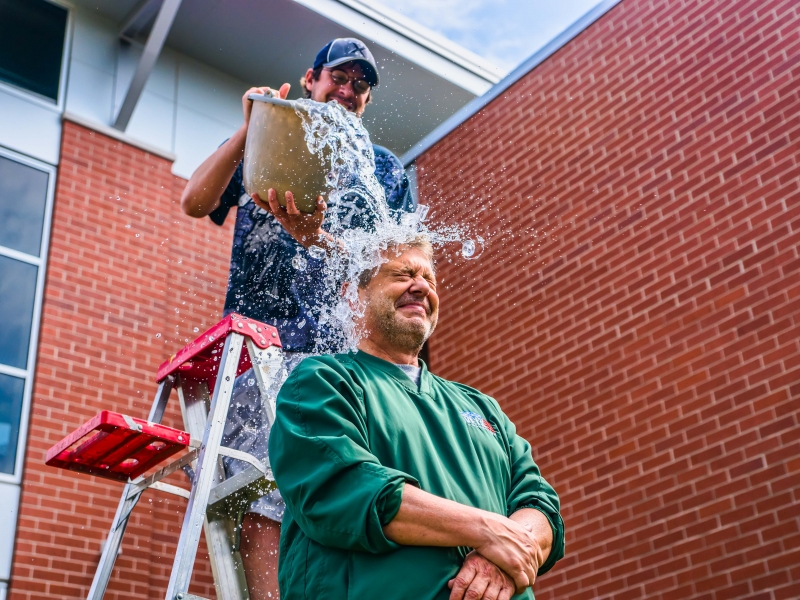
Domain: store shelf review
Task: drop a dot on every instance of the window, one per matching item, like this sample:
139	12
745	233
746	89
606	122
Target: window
17	292
11	393
26	190
32	34
23	192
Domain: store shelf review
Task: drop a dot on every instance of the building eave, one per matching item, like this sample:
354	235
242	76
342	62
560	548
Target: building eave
411	41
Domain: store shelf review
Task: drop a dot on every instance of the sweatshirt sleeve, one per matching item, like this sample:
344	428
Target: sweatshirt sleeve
333	486
529	489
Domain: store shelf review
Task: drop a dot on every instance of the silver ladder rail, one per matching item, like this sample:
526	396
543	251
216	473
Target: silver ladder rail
215	503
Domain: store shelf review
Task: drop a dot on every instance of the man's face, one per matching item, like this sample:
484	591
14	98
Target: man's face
325	89
401	304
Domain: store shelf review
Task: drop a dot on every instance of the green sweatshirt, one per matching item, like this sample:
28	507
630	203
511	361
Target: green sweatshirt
350	431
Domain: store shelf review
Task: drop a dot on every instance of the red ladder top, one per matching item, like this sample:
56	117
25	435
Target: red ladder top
200	358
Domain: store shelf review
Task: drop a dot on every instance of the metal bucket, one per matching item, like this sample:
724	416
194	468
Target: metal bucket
276	155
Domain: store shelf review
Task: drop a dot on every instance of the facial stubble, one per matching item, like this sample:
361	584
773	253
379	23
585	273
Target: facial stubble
405	334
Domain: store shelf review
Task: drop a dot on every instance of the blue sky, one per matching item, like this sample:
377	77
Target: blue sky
505	32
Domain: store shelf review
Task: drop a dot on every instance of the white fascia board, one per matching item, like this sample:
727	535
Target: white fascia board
428	39
406	43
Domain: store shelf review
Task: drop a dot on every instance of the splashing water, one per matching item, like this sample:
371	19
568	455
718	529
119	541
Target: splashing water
299	262
359	217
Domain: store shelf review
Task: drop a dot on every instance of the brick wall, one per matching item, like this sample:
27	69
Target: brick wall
639	296
129	278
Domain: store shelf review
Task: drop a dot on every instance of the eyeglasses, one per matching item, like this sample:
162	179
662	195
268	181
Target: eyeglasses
360	86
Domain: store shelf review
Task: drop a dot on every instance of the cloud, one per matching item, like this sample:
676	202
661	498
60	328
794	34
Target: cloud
505	32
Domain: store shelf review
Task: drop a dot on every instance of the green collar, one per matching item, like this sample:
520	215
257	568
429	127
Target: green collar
396	372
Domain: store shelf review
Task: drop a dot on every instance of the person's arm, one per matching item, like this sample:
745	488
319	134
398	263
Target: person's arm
305	228
531	500
204	190
478	577
538	524
427	520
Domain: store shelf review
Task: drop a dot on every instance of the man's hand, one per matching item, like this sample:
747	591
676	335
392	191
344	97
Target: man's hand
303	227
480	579
514	549
247	104
427	520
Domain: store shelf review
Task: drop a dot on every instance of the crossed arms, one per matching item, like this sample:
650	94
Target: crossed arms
508	551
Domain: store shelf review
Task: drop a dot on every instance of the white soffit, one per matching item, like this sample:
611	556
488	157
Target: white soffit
410	40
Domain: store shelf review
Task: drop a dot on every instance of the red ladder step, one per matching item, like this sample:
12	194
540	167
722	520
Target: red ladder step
116	446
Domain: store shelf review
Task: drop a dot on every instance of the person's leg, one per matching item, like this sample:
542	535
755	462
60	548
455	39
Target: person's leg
260	539
247	429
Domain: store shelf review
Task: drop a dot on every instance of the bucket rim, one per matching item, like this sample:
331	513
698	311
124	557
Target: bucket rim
278	101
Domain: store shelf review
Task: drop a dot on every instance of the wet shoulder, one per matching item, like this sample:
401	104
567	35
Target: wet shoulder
329	366
390	172
386	157
388	168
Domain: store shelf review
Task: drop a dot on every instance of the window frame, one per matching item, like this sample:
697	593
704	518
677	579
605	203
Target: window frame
27	374
25	94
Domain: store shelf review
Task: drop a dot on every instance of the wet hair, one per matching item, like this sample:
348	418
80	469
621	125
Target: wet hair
314	76
421	243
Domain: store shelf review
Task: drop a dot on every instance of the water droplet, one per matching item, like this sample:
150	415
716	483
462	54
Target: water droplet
472	249
158	335
196	329
298	262
316	252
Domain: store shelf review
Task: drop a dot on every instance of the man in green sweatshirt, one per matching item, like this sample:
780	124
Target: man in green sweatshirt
399	484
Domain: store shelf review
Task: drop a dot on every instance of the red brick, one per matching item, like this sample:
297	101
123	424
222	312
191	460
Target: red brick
120	293
664	138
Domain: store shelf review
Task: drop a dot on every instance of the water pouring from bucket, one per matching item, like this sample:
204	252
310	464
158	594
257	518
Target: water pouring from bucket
312	149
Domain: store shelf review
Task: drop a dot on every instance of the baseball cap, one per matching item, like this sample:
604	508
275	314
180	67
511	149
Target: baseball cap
343	50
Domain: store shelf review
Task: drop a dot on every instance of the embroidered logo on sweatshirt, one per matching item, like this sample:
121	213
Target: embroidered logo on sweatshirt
475	420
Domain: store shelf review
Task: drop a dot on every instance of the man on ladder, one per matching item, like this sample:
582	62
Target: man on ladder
266	239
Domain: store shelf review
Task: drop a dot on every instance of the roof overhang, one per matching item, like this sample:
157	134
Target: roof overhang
410	40
425	78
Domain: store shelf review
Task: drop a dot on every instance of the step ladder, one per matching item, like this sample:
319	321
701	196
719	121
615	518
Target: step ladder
125	448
